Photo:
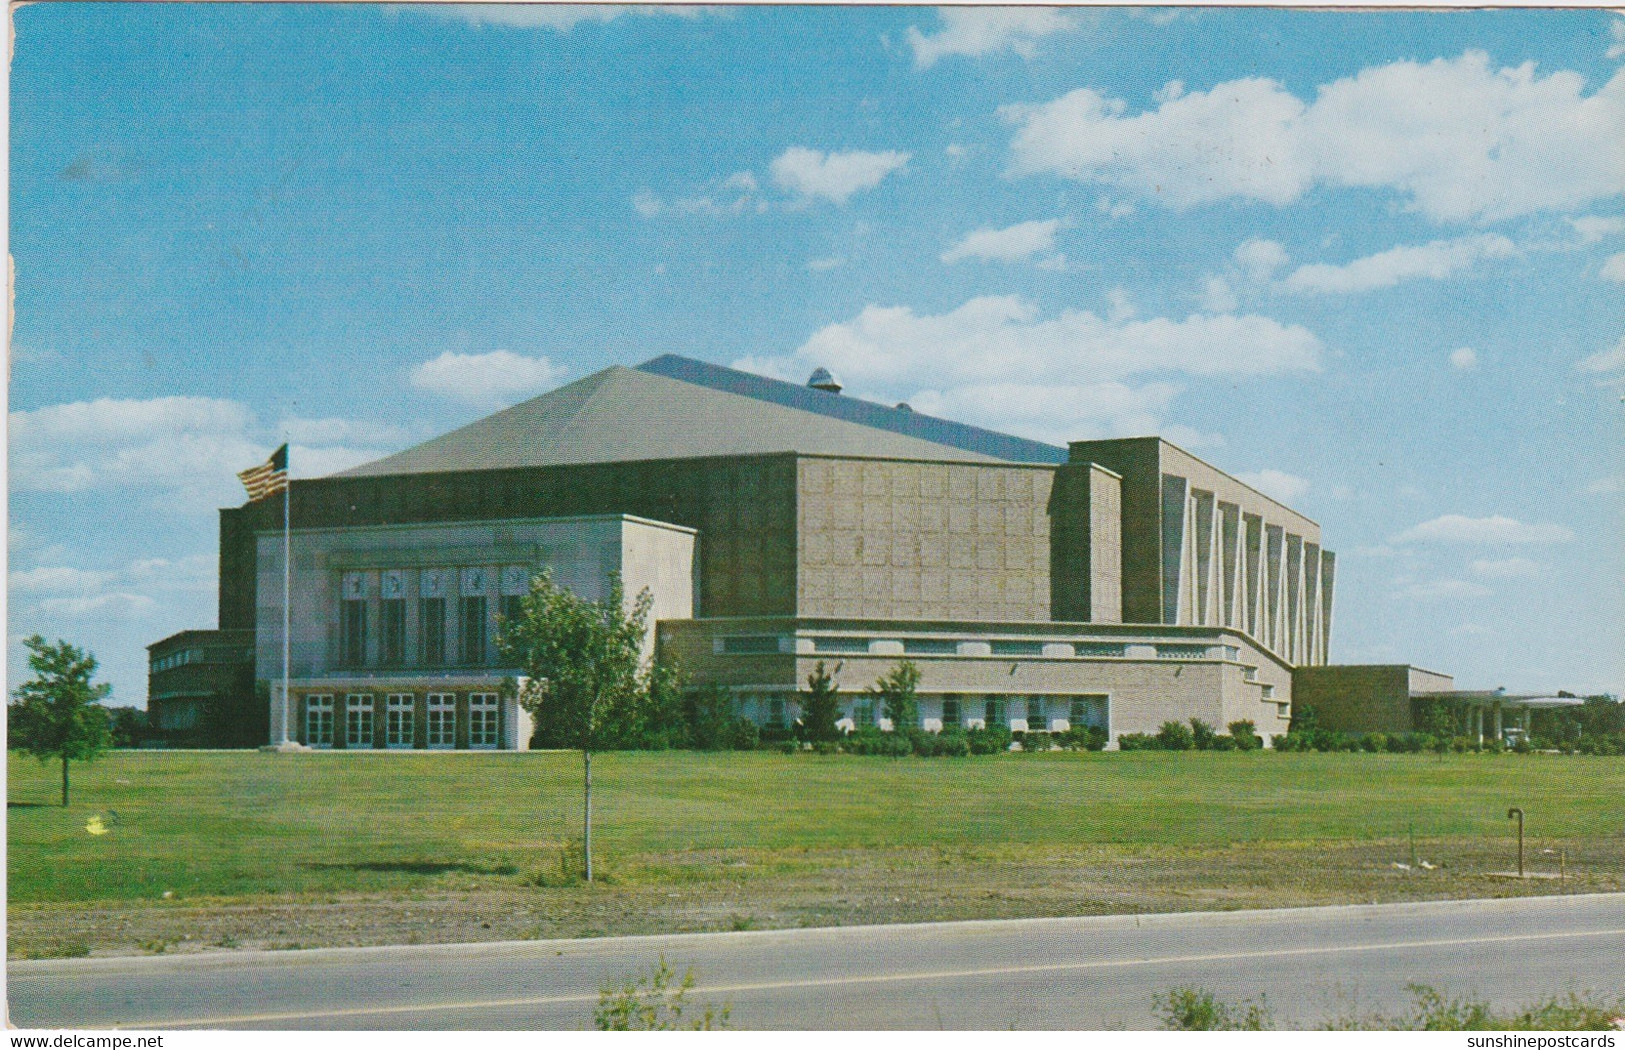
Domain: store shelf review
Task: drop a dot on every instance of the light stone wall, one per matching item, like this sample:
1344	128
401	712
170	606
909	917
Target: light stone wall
1144	690
917	540
580	552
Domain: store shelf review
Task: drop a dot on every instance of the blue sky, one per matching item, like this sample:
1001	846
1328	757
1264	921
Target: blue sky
1382	277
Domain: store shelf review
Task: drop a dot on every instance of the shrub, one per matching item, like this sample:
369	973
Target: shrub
1034	743
826	747
1374	742
952	744
1175	736
653	1001
1224	742
1346	741
1522	745
743	735
1138	742
1083	738
788	747
1286	742
993	740
1196	1010
1245	735
1201	735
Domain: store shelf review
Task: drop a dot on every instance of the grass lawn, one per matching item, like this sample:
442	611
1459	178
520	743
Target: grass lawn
446	847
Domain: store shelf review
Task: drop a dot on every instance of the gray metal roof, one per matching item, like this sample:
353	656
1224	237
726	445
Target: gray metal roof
856	410
623	414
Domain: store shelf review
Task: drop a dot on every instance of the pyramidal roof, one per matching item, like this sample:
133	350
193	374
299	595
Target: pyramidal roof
624	414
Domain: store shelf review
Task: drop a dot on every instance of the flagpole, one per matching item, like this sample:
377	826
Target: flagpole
287	615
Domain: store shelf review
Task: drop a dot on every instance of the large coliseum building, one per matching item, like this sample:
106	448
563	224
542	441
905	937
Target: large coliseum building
1116	583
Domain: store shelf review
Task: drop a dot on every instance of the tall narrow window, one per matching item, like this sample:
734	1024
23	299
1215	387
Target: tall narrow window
401	713
319	721
432	628
950	711
392	611
993	711
442	720
515	582
471	636
482	720
1035	714
471	610
353	620
358	720
511	610
863	715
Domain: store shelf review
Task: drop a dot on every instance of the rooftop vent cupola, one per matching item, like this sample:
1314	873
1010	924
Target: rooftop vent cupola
822	380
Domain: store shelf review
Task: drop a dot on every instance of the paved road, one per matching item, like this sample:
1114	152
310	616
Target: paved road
1096	973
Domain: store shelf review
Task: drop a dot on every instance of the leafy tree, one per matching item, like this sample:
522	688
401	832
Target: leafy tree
126	724
581	660
821	706
58	713
898	694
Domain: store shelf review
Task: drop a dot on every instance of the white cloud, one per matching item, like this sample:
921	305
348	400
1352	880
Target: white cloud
1616	33
1011	244
560	17
56	579
1464	359
825	264
1609	360
1260	258
1593	228
487	380
1435	260
1457	138
833	176
183	451
1458	528
1441	590
998	361
1506	568
1606	485
977	31
1277	484
117	603
1613	268
1217	296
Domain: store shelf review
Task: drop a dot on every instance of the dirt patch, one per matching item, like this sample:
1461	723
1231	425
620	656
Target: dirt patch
760	889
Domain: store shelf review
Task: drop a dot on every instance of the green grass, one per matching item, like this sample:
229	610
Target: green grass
216	825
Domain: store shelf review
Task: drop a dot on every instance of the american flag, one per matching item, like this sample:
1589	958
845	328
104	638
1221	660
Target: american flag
268	478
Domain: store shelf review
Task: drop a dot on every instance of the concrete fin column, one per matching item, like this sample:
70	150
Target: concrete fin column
1173	544
1275	556
1202	547
1253	574
1230	562
1294	600
1328	574
1311	602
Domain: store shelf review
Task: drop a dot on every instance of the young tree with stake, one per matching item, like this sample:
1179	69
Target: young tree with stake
580	659
58	713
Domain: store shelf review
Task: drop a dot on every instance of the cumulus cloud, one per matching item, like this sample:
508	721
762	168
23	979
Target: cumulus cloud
67	591
832	176
1593	228
1496	529
1613	268
1440	590
1435	260
559	17
1610	360
997	360
1011	244
1506	568
1458	139
500	377
1277	484
977	31
56	579
1260	258
1217	296
185	451
1464	359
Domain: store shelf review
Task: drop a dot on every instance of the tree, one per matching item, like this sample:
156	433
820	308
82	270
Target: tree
897	693
821	707
581	659
58	713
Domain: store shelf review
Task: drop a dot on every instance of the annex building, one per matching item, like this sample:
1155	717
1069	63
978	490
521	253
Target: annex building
1117	583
